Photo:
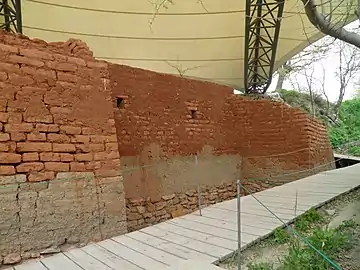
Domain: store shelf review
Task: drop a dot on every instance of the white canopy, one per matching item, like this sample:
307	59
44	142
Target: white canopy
198	39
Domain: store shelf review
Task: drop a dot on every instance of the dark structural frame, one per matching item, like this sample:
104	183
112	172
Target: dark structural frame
10	15
262	27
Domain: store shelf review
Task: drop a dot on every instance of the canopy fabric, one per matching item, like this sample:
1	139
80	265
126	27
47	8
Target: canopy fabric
192	38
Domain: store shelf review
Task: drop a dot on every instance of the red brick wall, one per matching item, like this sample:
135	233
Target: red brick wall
55	110
57	124
157	111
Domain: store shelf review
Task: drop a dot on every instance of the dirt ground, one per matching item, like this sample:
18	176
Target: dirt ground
344	208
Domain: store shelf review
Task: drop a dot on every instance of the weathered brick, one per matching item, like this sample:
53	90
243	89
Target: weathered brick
4	147
17	59
4	117
67	77
47	128
93	165
20	80
26	157
7	170
62	66
71	130
84	157
30	167
41	176
36	137
57	166
33	53
48	156
58	138
9	158
9	48
106	155
64	147
66	157
77	61
15	118
111	147
3	76
33	147
77	167
47	119
4	137
97	138
19	127
97	64
17	136
80	139
88	131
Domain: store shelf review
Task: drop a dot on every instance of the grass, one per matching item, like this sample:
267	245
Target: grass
300	256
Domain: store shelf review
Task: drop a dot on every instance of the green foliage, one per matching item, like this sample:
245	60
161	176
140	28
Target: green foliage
281	236
349	129
260	266
305	222
329	242
302	100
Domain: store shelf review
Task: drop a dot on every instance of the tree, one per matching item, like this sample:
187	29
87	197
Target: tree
323	22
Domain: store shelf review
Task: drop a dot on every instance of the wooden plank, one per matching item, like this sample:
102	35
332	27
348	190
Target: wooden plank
211	250
131	255
148	250
30	265
60	262
85	260
108	258
201	236
178	250
222	223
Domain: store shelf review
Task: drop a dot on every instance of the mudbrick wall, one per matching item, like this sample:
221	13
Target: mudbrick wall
163	121
60	181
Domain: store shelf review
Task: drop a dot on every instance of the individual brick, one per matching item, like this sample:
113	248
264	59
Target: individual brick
58	138
71	130
36	137
15	118
47	128
106	155
49	156
17	59
4	117
9	158
66	157
84	157
77	167
30	167
57	166
111	147
17	136
33	147
80	139
4	137
25	127
88	131
64	147
41	176
27	157
4	147
7	170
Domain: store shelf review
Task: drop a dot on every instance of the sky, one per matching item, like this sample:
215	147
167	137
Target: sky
331	64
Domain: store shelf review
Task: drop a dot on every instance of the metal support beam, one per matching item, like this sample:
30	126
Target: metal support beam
262	27
10	16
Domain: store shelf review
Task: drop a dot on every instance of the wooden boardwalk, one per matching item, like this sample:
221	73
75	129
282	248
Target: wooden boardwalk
205	238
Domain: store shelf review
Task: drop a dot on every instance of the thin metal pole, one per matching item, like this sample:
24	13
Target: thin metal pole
198	184
238	185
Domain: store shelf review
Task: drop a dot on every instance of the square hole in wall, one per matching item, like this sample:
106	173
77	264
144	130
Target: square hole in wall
120	102
193	114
